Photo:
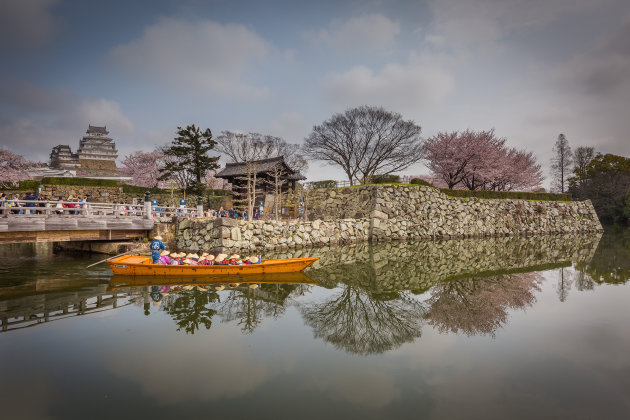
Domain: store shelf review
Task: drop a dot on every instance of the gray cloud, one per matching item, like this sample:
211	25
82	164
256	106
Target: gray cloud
43	118
603	69
200	56
360	33
481	22
27	23
410	88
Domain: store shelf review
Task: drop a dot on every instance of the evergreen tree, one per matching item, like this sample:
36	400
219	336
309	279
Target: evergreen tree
561	163
187	158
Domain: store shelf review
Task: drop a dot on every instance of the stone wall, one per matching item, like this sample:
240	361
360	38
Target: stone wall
383	213
225	234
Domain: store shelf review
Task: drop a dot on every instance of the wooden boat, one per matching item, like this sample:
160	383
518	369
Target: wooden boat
135	265
120	282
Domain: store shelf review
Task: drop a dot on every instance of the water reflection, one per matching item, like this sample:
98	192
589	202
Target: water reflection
480	306
382	293
610	263
362	322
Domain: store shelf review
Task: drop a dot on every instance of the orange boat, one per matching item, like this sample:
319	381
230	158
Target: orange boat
135	265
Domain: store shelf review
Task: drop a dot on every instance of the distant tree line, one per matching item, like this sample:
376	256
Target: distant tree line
588	175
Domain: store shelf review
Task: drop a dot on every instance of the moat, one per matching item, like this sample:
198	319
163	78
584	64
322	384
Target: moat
496	328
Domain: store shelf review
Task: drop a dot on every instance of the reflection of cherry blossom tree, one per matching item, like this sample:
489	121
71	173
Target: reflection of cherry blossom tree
480	306
363	323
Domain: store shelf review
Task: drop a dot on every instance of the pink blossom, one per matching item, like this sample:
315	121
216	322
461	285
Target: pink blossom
13	167
479	160
143	167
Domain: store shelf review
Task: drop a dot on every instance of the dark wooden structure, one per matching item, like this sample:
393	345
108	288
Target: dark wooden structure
265	169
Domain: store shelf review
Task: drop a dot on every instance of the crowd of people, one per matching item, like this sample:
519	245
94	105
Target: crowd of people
182	258
232	213
35	203
160	255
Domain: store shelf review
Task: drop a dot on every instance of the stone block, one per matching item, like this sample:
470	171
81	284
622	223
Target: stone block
225	221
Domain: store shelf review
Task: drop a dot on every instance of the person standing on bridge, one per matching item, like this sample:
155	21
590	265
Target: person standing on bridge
156	246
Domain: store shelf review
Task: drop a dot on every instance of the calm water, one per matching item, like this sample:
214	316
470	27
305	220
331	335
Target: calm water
497	328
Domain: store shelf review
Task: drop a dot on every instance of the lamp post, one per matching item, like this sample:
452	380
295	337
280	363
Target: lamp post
199	206
147	205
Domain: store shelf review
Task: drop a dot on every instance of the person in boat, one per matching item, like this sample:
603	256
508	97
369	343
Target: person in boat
156	246
164	258
220	260
235	259
252	260
192	259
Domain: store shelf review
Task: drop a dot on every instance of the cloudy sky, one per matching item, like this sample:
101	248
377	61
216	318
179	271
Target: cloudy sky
529	68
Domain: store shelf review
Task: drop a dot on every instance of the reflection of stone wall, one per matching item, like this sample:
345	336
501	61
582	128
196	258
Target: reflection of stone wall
383	213
420	265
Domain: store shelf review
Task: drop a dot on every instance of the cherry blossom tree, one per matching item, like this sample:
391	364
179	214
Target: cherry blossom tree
518	171
480	160
13	168
143	167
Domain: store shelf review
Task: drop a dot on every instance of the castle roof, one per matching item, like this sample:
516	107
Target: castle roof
232	170
96	129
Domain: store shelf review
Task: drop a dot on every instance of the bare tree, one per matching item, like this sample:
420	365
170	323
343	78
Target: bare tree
561	163
365	141
251	147
277	181
241	147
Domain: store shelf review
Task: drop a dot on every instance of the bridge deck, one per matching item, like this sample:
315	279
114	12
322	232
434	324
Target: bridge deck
42	228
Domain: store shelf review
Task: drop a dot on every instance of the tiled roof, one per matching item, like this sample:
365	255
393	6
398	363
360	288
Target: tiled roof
232	170
96	129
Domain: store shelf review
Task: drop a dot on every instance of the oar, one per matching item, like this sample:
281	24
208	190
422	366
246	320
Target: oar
119	255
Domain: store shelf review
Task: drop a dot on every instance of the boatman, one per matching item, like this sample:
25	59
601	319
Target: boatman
156	246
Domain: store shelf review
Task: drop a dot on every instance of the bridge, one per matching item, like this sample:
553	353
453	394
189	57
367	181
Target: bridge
61	221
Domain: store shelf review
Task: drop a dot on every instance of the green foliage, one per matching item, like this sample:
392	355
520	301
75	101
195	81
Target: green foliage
134	189
187	158
29	184
513	195
329	183
419	181
605	180
385	179
85	182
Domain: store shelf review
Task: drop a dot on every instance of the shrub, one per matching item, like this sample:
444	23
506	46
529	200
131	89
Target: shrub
385	179
85	182
328	183
514	195
29	184
419	181
134	189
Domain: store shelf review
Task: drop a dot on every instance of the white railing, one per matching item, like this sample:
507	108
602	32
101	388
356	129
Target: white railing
38	208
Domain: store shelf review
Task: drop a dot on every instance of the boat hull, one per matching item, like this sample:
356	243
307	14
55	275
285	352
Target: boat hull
131	265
